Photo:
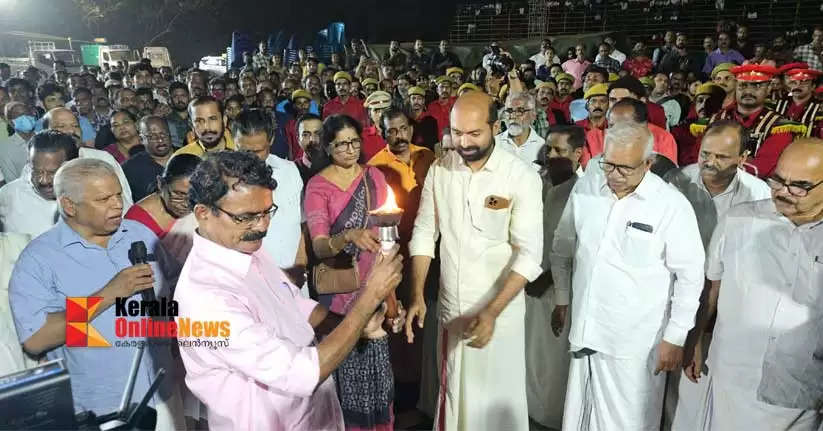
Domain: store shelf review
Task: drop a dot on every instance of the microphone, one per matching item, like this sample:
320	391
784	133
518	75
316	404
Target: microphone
139	255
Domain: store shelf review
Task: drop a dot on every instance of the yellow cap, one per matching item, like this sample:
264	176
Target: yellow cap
706	88
443	79
300	93
468	86
545	84
647	80
597	90
368	81
613	77
451	70
564	76
378	100
722	67
342	75
417	90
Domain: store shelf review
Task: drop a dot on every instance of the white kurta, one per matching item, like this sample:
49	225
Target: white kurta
686	401
766	347
632	288
484	389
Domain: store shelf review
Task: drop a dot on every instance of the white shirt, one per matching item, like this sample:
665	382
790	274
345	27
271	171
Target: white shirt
617	55
22	210
770	308
622	276
283	236
14	154
528	151
709	209
479	245
91	153
539	59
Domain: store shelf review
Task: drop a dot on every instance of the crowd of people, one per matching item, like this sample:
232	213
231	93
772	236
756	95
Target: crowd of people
567	226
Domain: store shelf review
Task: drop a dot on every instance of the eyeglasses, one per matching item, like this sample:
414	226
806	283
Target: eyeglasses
342	146
798	190
519	111
250	219
621	169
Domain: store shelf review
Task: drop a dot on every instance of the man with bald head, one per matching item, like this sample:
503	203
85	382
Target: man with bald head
485	206
63	120
629	246
713	185
765	263
142	169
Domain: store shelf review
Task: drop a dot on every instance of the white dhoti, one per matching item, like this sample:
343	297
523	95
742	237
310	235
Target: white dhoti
686	401
607	394
732	407
483	389
547	362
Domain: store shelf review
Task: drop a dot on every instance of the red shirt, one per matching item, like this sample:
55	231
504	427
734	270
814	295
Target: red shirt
638	66
562	105
440	110
663	144
372	142
656	114
295	152
687	148
353	108
586	124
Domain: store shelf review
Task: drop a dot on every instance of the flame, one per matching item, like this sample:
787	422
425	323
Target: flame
390	205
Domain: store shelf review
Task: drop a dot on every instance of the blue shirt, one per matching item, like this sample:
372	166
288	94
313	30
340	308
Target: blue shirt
578	110
59	264
718	57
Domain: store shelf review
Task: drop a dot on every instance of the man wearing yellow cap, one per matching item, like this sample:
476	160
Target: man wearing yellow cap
425	127
440	108
369	86
565	85
799	106
345	102
456	75
373	142
767	132
708	101
300	104
597	103
722	75
546	115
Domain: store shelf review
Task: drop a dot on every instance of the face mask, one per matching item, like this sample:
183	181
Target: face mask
24	123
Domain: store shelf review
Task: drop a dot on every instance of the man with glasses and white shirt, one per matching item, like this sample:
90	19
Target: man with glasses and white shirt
519	138
629	246
713	185
765	263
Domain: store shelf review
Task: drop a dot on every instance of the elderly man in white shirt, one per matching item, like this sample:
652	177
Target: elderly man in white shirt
284	242
485	205
28	204
713	185
765	264
63	120
615	53
629	246
519	138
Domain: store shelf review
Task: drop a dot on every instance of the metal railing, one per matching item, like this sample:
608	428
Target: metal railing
637	20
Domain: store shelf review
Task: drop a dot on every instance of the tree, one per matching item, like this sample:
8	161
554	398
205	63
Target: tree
155	18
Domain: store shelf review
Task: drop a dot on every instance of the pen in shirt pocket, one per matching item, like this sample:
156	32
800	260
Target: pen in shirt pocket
639	226
817	259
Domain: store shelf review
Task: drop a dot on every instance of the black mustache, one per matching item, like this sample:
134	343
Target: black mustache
782	199
597	110
253	235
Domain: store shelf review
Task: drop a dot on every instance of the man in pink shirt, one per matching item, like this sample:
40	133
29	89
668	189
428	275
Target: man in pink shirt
629	110
271	372
576	66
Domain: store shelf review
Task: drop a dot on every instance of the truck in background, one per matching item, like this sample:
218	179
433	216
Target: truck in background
98	55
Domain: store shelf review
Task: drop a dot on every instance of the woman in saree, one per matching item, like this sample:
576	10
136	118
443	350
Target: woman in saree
336	205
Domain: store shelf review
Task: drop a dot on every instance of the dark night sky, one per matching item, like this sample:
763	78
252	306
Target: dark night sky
208	33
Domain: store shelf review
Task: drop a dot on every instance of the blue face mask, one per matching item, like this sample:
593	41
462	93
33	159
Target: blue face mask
24	123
